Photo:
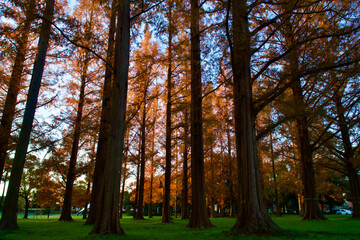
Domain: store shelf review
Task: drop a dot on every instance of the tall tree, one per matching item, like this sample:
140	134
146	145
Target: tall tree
8	112
199	217
107	221
166	205
9	218
252	216
98	177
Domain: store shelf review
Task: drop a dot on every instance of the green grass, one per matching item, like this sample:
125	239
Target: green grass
337	227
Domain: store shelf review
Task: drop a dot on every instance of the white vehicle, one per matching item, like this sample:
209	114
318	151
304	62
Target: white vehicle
344	212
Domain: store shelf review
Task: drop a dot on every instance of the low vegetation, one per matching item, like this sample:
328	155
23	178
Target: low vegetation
337	227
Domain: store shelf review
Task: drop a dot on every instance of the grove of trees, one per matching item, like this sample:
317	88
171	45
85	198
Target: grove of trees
202	108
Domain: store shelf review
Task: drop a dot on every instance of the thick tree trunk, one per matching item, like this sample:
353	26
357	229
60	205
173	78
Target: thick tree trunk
71	175
166	215
98	178
199	216
185	190
107	221
9	218
8	112
252	216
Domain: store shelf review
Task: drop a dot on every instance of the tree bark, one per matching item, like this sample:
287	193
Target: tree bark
185	189
98	178
71	175
8	112
199	216
9	218
166	215
107	221
252	216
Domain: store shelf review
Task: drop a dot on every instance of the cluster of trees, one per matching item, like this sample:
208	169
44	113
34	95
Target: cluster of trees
235	104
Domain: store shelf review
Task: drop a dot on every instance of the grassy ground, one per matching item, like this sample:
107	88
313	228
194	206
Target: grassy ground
337	227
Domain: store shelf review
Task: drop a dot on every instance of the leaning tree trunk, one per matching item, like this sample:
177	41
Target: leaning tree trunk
9	218
107	221
71	175
166	215
185	190
14	86
252	216
199	216
98	178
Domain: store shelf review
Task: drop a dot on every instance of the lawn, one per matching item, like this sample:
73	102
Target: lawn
337	227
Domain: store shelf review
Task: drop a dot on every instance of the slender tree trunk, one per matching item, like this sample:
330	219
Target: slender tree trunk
137	187
199	216
123	190
98	178
166	215
252	216
107	221
9	219
8	112
278	212
152	164
27	205
86	204
231	177
185	189
71	175
140	202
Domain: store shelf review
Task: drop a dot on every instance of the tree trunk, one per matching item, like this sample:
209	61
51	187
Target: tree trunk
107	221
152	164
27	205
123	191
199	216
71	175
231	177
87	193
185	190
8	112
140	202
311	209
252	216
166	215
348	156
9	219
278	212
98	178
